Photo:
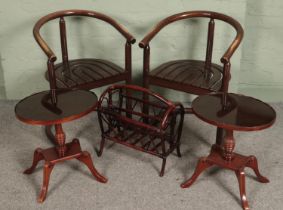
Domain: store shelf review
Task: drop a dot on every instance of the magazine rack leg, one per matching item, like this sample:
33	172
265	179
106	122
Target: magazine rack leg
99	153
178	151
163	167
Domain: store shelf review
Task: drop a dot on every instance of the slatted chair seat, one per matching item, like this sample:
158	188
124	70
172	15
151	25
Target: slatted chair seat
192	76
84	73
188	73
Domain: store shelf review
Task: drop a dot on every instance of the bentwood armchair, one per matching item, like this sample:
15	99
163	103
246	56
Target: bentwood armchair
193	76
83	73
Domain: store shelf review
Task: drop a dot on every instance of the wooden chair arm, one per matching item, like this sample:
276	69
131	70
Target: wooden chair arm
232	48
63	13
193	14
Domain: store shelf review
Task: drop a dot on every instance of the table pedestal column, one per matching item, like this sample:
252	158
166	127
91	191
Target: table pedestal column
50	135
60	153
224	157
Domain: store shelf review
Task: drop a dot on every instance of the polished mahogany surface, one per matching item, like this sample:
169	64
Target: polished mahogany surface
38	109
240	112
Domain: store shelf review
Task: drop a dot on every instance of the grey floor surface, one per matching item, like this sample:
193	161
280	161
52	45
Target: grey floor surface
133	176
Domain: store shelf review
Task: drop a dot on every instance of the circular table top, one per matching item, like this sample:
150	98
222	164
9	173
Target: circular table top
241	112
37	109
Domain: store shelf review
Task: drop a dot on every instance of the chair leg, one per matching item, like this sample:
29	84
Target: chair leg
86	159
179	132
128	93
162	167
46	175
36	158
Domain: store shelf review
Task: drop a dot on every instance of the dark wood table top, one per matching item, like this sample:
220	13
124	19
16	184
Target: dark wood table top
37	109
241	112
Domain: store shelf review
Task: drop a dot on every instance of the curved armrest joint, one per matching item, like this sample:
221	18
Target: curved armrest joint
52	58
142	45
225	60
132	40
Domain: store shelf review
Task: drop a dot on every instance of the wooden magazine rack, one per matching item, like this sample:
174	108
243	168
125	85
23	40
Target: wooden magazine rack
140	119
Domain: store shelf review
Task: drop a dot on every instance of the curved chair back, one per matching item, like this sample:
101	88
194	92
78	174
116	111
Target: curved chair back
87	80
225	59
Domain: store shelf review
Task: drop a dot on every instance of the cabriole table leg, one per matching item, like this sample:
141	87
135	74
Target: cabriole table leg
201	166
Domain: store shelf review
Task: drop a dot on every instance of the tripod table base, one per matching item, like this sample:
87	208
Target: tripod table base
237	164
51	157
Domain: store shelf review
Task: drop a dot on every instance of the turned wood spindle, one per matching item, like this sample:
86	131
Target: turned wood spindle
228	145
60	138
